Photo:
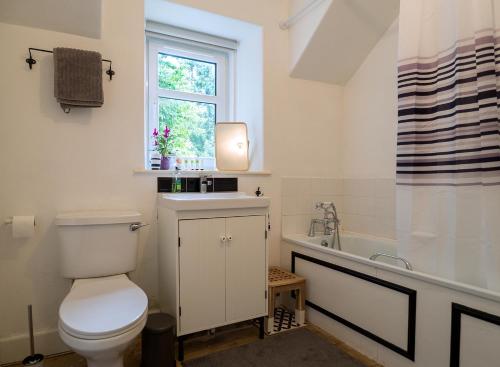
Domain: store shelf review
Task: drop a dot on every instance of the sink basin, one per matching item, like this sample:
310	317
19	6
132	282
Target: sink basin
210	201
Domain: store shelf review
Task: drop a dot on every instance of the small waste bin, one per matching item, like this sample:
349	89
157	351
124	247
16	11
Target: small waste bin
158	338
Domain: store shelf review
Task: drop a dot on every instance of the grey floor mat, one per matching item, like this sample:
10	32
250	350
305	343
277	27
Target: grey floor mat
299	347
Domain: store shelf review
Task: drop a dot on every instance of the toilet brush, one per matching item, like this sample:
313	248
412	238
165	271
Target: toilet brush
33	359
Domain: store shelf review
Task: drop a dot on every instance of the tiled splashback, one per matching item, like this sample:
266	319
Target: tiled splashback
363	205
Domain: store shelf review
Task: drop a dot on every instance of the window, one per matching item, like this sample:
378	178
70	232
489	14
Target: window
188	91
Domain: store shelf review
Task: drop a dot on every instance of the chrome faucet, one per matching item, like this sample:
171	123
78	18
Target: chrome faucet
326	225
329	217
205	184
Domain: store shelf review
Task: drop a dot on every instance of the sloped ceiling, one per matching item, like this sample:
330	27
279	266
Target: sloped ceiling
81	17
301	32
346	33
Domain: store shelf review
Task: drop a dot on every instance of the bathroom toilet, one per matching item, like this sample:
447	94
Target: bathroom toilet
104	311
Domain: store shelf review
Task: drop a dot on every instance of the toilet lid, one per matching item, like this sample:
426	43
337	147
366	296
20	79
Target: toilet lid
100	308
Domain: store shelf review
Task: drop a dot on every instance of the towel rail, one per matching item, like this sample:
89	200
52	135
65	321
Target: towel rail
31	61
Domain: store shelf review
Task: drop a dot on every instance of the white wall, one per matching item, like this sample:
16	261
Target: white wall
370	113
51	162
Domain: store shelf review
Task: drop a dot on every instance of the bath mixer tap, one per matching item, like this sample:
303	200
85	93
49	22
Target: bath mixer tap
312	227
329	217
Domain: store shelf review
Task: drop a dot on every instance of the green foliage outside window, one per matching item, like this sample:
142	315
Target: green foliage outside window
192	124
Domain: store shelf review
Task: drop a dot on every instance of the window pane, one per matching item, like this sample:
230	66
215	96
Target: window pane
186	75
192	126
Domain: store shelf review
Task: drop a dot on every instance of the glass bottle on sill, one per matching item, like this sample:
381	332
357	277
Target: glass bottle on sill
178	163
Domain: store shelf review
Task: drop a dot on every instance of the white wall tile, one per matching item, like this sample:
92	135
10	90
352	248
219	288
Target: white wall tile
384	187
289	205
359	187
385	207
292	186
288	224
364	205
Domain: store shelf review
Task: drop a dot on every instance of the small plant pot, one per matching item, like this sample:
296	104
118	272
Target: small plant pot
167	162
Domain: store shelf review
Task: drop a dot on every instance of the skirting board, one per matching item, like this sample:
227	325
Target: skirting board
16	348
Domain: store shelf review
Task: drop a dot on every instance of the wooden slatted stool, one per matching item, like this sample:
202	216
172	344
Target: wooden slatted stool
283	281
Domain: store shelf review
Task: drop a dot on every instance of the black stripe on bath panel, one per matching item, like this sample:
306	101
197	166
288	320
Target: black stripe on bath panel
412	306
456	327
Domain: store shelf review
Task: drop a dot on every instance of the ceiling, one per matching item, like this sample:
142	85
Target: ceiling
344	36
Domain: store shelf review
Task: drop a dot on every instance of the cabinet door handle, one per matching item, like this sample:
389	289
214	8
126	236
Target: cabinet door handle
223	239
229	238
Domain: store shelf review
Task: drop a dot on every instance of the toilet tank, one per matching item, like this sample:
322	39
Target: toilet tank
97	243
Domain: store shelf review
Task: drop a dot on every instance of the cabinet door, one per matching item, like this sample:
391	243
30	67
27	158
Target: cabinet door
202	276
245	267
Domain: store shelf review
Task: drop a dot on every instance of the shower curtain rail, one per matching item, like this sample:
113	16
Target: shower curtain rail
296	17
31	61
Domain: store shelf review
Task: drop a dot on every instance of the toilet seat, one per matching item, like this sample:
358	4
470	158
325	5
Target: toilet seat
100	308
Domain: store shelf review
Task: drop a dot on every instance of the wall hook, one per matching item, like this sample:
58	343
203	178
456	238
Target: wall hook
110	71
31	61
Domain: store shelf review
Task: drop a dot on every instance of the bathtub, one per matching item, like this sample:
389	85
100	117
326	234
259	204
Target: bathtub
396	316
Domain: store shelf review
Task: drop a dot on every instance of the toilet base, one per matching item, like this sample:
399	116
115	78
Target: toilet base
116	361
106	352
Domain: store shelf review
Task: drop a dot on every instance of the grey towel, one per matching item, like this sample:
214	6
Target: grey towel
77	78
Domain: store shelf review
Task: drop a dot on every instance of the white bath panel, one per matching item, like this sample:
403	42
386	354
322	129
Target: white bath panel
479	343
375	308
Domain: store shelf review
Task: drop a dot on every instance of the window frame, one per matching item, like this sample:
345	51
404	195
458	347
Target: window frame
224	91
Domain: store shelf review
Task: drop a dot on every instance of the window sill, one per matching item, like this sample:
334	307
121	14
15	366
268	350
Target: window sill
169	173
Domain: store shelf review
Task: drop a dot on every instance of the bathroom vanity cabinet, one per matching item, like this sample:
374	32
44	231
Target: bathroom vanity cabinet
212	262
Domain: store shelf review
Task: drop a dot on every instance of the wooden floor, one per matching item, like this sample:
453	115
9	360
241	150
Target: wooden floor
201	346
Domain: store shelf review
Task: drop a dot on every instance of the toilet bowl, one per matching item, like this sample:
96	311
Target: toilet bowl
100	317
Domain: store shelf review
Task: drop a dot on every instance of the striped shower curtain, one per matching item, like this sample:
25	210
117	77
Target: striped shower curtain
448	144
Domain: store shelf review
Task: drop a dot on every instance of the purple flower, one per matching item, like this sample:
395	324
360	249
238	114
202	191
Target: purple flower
155	132
166	133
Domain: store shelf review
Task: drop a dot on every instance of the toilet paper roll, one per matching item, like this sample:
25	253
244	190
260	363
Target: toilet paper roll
23	226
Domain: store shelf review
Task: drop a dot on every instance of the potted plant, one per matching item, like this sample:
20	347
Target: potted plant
162	144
